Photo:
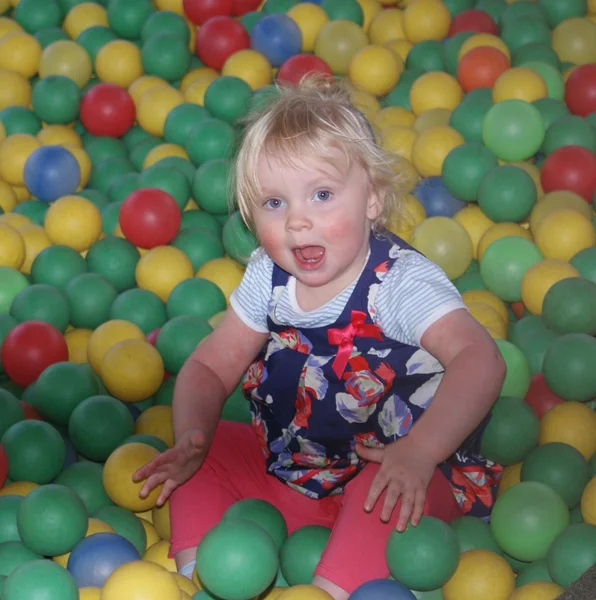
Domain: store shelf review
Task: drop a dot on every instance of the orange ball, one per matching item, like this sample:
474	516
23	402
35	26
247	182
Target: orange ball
481	67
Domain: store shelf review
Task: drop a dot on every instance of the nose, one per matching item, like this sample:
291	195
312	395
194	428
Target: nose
297	219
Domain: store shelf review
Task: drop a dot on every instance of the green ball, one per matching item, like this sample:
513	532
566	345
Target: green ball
210	139
236	408
551	76
166	56
110	216
464	169
568	306
423	557
97	198
261	513
526	326
139	153
85	479
165	394
52	519
106	172
61	388
40	579
524	31
20	119
12	283
572	553
141	307
12	555
11	411
535	571
49	35
534	347
181	120
242	548
278	6
35	15
400	94
527	518
93	39
33	209
250	19
531	53
9	506
227	98
199	218
56	99
41	302
457	6
56	266
197	297
134	136
427	56
103	147
127	17
575	515
168	22
468	116
343	10
494	8
469	281
301	553
126	524
146	438
584	261
559	11
90	297
522	10
239	242
504	264
116	259
123	186
98	425
569	130
550	110
507	193
179	164
35	450
451	47
513	130
171	181
210	186
512	432
518	377
178	338
6	325
473	533
561	467
200	245
569	367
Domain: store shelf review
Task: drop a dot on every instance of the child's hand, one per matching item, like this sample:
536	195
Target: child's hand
174	466
406	472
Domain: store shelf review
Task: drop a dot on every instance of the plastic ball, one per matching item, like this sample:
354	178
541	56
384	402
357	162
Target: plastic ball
426	20
483	39
14	152
119	62
164	55
250	66
431	148
435	90
517	379
481	67
21	53
12	247
580	90
375	69
127	18
300	65
143	578
106	336
574	41
200	11
572	553
219	38
570	168
40	577
337	43
56	99
519	83
66	58
566	306
178	338
436	198
51	172
84	478
310	18
107	109
11	283
476	21
277	38
561	234
141	307
154	107
80	18
161	269
382	589
473	533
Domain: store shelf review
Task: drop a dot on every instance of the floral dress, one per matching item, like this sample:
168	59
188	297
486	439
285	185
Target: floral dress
316	392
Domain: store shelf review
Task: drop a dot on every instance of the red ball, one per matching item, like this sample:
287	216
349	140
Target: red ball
570	168
218	39
481	67
473	20
241	7
150	217
199	11
107	109
30	411
539	396
299	65
29	348
580	90
151	337
3	465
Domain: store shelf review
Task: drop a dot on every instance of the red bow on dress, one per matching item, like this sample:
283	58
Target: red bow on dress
344	338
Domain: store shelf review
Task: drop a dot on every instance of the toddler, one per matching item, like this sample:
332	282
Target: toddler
368	380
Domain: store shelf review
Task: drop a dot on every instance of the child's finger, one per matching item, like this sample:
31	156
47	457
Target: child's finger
394	491
166	492
152	482
376	489
408	498
418	510
146	470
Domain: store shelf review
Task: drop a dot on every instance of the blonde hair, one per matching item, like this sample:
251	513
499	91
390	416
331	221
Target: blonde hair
314	118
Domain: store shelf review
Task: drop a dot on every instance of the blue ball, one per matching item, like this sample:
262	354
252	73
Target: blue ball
277	37
51	172
436	198
382	589
95	557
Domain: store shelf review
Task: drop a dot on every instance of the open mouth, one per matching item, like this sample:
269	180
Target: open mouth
308	257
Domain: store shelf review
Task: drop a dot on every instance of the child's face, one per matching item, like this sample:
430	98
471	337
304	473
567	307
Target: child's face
313	218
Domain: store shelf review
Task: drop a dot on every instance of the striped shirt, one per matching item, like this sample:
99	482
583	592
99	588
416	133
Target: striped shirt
413	295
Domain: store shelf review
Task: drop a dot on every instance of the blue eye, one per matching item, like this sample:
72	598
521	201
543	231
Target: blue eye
273	203
323	195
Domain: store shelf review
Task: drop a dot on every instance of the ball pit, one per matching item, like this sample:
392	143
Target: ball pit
118	254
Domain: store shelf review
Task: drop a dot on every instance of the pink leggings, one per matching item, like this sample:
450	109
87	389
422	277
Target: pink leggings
235	469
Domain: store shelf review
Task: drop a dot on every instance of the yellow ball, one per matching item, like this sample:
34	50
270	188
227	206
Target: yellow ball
510	476
12	247
154	107
534	172
73	221
304	592
150	532
401	47
140	580
117	476
21	192
399	140
89	593
163	151
185	584
558	200
480	574
84	161
475	222
21	53
519	83
563	233
15	90
198	73
483	39
571	423
119	62
588	502
18	488
7	25
337	43
67	58
435	117
36	240
14	152
435	90
8	199
426	20
94	526
250	66
82	17
310	19
488	298
489	318
538	590
173	5
394	115
77	341
386	26
15	220
108	334
370	9
403	222
160	517
272	593
366	103
574	41
225	273
59	135
539	278
498	231
158	554
432	147
375	69
195	91
161	269
157	421
139	86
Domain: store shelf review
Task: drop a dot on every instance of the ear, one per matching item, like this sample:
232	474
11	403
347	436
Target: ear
375	204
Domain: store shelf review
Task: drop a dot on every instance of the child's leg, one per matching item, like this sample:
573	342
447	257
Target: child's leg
356	549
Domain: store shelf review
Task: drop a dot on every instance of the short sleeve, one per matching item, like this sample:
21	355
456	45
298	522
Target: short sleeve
250	300
414	294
